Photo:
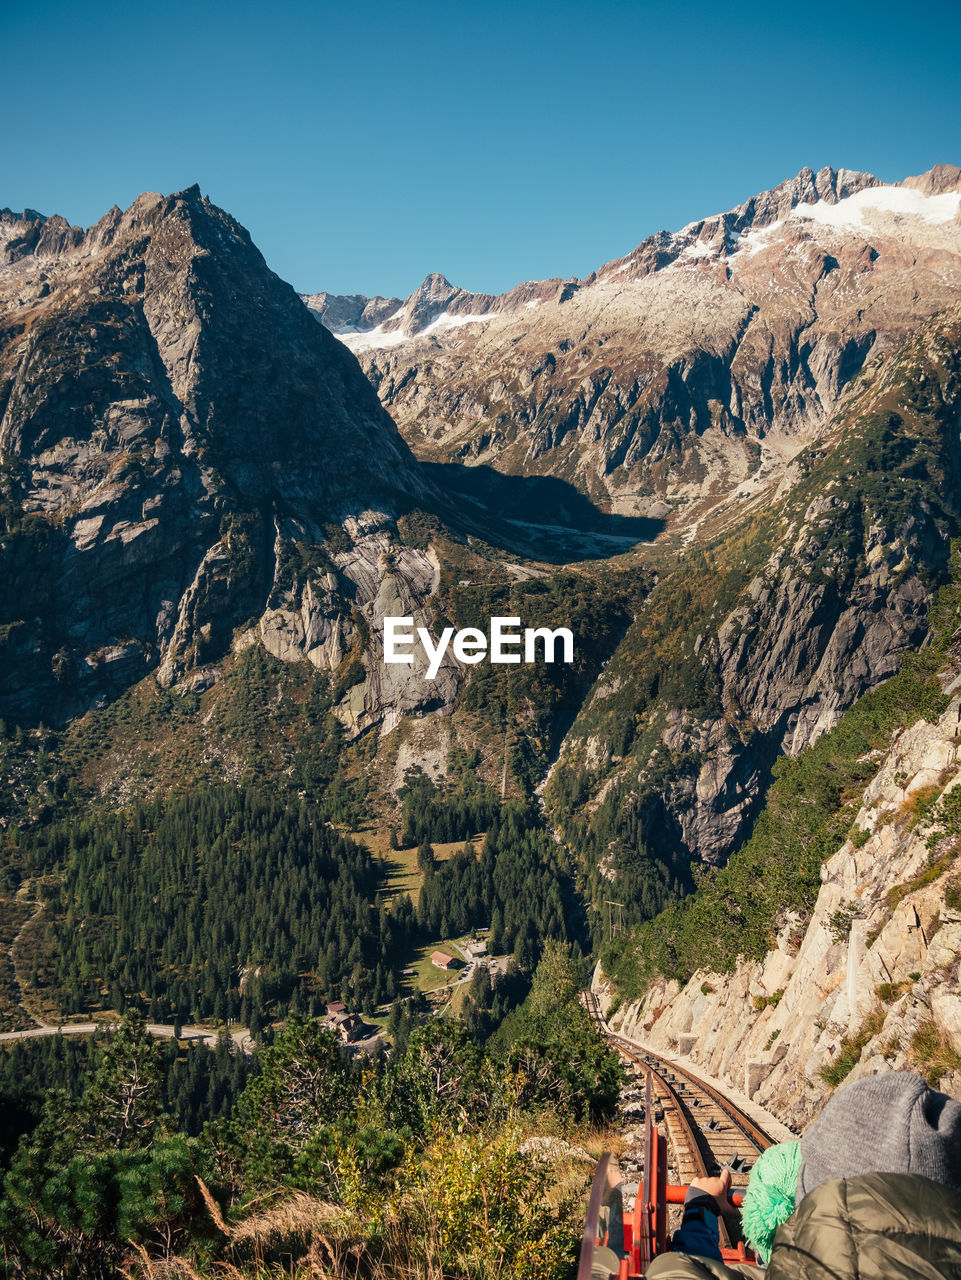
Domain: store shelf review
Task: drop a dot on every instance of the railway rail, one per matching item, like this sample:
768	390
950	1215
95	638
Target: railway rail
705	1131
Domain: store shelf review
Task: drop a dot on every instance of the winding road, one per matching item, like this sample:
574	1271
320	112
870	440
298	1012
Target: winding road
241	1037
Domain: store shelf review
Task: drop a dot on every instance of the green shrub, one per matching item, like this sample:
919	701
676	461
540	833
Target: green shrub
920	881
888	992
839	925
768	1002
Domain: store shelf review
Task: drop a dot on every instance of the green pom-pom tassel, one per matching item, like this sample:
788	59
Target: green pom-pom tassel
769	1199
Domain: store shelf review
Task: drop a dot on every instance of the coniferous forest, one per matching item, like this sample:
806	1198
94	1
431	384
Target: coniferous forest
203	905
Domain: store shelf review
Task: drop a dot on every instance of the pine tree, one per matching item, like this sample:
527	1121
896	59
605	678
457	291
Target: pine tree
425	858
121	1105
100	1174
495	942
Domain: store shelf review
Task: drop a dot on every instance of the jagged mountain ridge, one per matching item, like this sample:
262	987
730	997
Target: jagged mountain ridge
675	380
356	317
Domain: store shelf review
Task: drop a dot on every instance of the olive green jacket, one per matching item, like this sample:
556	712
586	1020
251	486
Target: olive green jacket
881	1226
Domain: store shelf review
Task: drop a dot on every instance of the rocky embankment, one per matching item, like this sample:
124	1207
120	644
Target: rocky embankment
871	982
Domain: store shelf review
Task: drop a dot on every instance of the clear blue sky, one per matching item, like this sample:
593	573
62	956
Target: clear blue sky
365	145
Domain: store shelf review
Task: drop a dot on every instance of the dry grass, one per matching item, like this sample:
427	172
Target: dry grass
932	1052
142	1267
852	1048
296	1215
401	873
915	807
442	1221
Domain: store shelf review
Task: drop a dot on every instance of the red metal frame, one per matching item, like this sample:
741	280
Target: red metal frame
645	1229
591	1227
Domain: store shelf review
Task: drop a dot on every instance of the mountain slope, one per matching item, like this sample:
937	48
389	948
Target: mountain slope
758	641
679	377
174	426
828	948
193	467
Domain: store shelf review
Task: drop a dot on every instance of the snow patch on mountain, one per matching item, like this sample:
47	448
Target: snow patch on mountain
754	241
851	211
615	271
376	337
699	250
447	321
381	336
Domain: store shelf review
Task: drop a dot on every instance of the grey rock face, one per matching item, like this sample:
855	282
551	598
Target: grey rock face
31	234
792	661
169	409
352	312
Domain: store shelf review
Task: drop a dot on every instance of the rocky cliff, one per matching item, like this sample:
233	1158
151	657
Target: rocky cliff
673	381
187	458
870	980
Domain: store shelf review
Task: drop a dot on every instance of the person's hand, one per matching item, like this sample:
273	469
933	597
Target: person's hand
718	1188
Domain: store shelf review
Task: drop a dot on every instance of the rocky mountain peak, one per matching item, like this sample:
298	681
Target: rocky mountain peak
724	231
829	185
361	322
30	233
939	180
435	288
170	412
350	313
428	302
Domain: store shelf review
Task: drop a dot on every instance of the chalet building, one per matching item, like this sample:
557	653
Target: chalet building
441	960
354	1029
349	1026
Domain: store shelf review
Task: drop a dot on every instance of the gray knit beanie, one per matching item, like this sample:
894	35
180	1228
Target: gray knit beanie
889	1123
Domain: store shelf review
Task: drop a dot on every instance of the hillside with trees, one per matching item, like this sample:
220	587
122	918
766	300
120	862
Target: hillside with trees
428	1159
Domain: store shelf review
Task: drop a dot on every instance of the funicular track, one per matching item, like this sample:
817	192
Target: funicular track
705	1130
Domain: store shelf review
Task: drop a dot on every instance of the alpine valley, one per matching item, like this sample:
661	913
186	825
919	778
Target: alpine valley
729	462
